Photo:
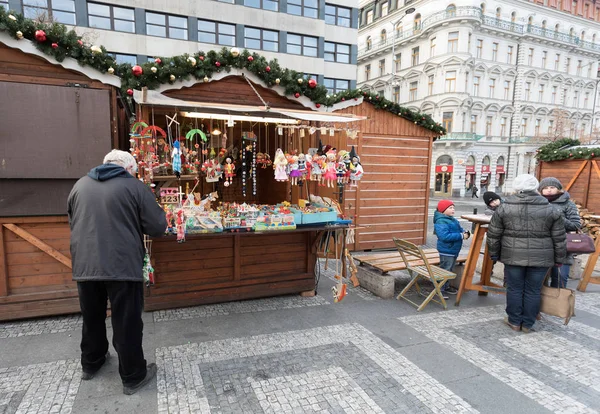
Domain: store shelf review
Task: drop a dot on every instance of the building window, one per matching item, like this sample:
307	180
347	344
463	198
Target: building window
398	61
417	24
541	93
337	52
557	61
415	56
336	85
447	120
451	81
384	9
216	33
473	124
538	123
494	51
579	67
432	47
507	90
157	25
523	127
62	11
492	84
576	99
568	65
306	8
544	58
550	127
586	100
430	80
509	55
412	95
104	16
476	82
302	45
565	96
383	37
369	43
4	4
553	97
382	67
367	72
396	94
503	126
452	42
589	70
121	58
261	39
530	57
263	4
370	17
479	48
488	126
527	96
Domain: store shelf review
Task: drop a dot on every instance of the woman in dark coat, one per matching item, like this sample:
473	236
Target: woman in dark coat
528	235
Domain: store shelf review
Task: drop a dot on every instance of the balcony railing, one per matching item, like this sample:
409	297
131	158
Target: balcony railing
502	24
462	136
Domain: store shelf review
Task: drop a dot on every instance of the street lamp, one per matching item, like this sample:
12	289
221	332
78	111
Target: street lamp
394	24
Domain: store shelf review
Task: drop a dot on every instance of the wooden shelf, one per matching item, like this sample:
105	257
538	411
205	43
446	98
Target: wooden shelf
174	178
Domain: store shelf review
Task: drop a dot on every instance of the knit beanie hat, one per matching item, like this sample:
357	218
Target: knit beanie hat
490	196
550	182
443	205
525	182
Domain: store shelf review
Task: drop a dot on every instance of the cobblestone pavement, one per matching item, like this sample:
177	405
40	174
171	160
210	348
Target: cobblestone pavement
292	354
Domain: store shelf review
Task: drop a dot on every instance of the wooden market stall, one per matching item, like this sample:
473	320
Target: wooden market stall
58	119
581	178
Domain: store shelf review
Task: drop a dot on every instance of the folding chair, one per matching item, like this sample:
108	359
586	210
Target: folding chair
418	267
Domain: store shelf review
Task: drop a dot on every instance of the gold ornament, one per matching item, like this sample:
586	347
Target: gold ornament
172	78
192	61
19	35
153	69
205	79
235	52
11	17
277	81
300	81
111	70
96	50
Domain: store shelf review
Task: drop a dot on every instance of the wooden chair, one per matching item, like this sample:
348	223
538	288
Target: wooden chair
418	266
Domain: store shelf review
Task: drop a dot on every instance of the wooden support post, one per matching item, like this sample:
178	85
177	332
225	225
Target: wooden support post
587	278
3	265
471	263
49	250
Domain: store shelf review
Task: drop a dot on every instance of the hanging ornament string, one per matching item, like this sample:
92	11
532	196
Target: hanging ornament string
254	167
243	152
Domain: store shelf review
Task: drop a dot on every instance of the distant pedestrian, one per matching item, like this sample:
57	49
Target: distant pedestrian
474	191
528	235
551	188
450	238
109	213
492	201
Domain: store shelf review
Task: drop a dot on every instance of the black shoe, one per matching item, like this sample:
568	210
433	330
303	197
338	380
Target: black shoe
451	290
86	376
445	295
150	373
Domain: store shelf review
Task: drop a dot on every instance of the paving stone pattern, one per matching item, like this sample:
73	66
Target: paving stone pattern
330	272
40	326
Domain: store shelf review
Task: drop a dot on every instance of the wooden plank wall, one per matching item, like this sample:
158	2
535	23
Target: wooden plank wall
585	175
392	197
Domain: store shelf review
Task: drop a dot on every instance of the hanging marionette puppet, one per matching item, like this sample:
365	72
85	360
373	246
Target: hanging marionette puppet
302	166
330	165
356	169
294	169
341	168
279	165
229	169
176	158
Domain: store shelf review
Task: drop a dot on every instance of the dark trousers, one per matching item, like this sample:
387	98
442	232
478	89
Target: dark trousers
560	276
447	263
523	293
127	303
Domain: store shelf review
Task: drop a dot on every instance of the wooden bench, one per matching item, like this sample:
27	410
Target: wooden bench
388	262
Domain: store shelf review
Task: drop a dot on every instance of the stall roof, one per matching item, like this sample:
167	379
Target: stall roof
219	111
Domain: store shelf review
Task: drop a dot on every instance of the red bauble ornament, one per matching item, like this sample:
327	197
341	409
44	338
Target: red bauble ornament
297	95
250	58
130	92
356	99
318	105
157	61
312	83
54	45
570	155
218	64
40	35
201	57
137	70
343	99
80	43
364	94
268	69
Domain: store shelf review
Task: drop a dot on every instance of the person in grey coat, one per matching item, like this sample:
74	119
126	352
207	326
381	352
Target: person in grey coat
528	235
552	189
109	213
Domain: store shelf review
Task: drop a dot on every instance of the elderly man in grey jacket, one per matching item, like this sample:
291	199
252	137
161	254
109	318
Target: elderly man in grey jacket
109	213
528	235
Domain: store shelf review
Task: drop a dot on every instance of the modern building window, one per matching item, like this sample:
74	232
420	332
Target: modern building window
261	39
544	58
382	67
507	90
492	84
432	46
557	61
272	5
370	17
523	127
476	82
104	16
527	95
415	56
479	48
488	126
306	8
509	55
367	72
503	126
412	93
430	80
553	97
302	45
337	52
62	11
398	61
451	81
336	85
530	57
538	124
541	93
216	33
121	58
452	42
494	51
447	118
473	124
396	94
157	25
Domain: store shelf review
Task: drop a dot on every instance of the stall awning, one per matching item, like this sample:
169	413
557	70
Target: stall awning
209	110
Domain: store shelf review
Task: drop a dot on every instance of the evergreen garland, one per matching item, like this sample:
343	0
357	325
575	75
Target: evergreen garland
562	150
61	44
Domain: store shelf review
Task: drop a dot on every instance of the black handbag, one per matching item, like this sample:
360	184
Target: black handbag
579	243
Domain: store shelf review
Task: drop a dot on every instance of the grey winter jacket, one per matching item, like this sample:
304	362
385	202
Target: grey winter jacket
527	231
572	219
109	212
